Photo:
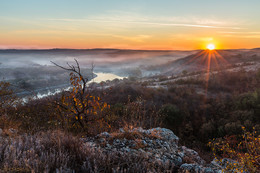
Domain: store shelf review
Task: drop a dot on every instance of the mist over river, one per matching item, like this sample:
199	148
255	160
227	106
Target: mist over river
57	89
32	73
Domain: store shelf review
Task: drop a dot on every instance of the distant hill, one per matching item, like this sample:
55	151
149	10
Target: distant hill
81	51
215	59
109	53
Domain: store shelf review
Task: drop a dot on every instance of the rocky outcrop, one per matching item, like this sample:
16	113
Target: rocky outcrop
157	145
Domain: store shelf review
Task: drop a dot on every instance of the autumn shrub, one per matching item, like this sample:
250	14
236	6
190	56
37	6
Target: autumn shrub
138	114
34	115
8	101
7	97
79	107
243	151
172	115
9	123
190	80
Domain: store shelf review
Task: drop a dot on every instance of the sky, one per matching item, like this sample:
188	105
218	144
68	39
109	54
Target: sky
133	24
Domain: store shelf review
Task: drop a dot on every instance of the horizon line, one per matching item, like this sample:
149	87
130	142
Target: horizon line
119	49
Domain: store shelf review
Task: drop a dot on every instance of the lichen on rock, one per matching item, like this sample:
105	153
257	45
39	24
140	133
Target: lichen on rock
157	145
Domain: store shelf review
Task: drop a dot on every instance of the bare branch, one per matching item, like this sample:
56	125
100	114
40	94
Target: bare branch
77	65
78	103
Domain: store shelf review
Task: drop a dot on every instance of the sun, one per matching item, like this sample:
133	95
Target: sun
210	46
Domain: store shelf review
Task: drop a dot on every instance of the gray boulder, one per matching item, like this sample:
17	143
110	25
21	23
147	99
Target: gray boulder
158	145
196	168
190	168
192	155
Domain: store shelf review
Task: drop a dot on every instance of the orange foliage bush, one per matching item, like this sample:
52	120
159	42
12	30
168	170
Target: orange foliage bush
243	150
78	106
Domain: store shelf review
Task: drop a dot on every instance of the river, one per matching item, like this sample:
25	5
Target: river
105	76
99	78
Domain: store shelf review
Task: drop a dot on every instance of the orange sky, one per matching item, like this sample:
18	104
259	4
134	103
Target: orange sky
129	25
76	40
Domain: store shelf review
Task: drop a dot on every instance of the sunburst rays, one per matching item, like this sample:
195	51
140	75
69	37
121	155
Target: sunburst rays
210	61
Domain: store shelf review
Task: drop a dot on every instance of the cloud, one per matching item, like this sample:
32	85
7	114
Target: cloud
242	36
143	21
138	38
245	34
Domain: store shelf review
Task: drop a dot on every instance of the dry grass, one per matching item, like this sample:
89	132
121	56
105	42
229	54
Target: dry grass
59	152
132	133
